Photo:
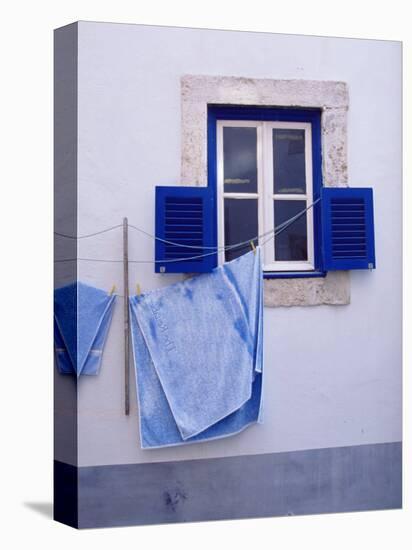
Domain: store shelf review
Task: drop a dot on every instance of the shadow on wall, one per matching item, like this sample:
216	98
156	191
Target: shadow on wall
43	508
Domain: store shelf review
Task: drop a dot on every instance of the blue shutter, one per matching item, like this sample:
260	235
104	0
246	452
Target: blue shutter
347	228
184	215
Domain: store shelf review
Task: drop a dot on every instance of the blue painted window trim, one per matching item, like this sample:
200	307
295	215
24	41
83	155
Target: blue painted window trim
351	257
313	116
165	263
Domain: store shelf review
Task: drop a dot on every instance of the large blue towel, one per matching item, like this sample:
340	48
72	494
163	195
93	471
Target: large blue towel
198	355
82	316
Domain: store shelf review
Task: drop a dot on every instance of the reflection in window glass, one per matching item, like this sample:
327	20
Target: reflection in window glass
289	161
240	160
241	224
291	243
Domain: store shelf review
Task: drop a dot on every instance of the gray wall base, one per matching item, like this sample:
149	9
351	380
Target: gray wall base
341	479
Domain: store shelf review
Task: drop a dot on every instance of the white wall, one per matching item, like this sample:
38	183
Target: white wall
332	373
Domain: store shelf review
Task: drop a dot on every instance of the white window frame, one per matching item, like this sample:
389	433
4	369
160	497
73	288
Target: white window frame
265	195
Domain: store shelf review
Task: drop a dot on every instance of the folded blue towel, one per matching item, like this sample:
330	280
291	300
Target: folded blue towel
198	355
82	316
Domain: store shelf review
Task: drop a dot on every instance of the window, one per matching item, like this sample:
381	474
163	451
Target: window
338	242
323	104
264	176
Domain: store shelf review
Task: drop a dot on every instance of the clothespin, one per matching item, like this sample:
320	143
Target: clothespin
112	290
252	244
138	291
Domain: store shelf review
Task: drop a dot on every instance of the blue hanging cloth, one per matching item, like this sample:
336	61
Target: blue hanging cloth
198	355
82	316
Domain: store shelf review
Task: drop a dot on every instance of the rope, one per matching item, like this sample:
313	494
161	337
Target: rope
276	231
90	234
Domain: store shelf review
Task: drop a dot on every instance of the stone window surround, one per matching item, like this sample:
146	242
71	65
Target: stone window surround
197	91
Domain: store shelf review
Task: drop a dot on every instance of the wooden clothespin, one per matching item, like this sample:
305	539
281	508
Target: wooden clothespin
112	290
252	244
138	291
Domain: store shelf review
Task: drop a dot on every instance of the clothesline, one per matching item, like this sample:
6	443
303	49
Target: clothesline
270	234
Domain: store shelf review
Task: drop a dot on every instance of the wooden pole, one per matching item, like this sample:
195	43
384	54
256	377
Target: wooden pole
126	317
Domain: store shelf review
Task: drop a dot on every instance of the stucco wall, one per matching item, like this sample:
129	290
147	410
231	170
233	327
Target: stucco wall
332	373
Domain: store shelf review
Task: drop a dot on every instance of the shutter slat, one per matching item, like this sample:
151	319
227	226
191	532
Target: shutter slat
347	228
184	231
184	215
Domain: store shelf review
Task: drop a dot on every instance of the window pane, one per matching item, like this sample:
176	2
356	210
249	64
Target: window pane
291	243
241	224
240	160
289	161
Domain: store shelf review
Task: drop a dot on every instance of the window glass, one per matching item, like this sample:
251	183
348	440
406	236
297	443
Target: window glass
241	224
240	159
290	243
288	161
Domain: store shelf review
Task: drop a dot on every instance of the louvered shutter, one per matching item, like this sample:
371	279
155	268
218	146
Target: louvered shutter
347	228
184	215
